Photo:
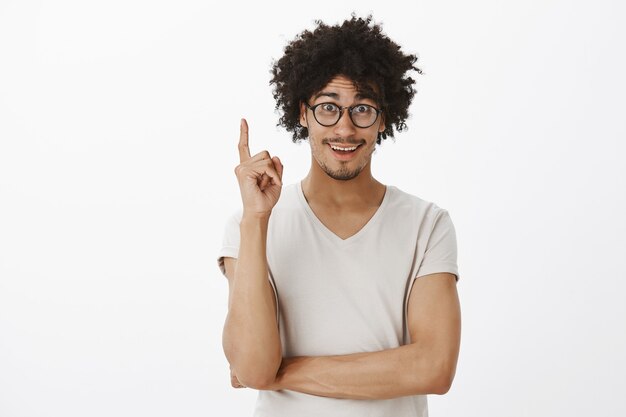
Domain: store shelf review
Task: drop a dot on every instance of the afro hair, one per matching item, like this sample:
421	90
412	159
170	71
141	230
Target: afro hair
356	49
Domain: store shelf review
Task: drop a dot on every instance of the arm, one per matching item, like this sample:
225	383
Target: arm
251	339
425	366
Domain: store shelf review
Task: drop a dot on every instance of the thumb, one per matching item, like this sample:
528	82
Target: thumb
278	166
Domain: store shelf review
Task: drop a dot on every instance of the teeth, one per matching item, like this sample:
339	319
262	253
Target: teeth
337	148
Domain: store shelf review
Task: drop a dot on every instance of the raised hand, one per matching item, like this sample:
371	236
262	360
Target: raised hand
259	176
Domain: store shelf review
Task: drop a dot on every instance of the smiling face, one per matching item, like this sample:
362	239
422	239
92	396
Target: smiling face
343	150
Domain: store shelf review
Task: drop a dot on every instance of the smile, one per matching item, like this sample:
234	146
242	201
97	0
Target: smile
343	148
344	152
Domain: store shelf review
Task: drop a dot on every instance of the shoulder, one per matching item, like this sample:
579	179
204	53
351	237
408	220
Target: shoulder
413	207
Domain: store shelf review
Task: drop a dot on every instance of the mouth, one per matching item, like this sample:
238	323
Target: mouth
344	151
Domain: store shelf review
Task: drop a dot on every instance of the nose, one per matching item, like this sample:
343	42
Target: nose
345	127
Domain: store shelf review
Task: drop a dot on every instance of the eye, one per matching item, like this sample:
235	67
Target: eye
329	107
362	109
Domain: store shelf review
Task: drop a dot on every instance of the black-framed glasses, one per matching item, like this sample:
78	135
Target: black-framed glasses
328	114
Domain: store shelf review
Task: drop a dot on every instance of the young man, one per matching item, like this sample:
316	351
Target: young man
342	290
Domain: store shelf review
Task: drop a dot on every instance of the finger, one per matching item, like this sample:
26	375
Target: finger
265	180
234	382
244	150
266	168
278	166
260	156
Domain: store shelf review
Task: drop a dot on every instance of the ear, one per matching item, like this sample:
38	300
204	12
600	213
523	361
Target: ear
303	121
382	126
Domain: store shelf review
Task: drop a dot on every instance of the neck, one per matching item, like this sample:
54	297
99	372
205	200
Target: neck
318	187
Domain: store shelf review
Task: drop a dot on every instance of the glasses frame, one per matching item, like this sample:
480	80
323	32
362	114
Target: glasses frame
341	109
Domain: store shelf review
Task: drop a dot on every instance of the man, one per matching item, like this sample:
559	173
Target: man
342	290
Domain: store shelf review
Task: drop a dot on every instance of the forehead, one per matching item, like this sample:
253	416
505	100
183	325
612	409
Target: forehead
341	82
341	86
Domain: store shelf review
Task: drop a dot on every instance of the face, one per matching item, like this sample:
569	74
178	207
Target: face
343	150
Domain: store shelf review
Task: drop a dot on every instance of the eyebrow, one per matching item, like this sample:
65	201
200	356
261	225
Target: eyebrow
326	94
358	96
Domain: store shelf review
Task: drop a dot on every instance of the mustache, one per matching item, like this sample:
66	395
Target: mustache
326	141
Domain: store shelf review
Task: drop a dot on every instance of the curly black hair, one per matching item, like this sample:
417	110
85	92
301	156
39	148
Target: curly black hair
356	49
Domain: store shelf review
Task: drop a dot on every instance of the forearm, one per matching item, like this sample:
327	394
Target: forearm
407	370
251	339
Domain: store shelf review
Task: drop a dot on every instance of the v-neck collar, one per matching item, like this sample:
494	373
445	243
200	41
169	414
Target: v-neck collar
329	233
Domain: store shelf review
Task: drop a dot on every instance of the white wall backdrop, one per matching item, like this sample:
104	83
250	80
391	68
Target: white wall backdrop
118	130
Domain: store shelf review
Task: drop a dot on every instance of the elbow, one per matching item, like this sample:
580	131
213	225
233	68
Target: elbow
253	367
441	380
258	381
255	372
254	376
432	376
441	385
251	375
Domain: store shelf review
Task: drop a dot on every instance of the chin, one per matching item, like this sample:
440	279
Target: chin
342	175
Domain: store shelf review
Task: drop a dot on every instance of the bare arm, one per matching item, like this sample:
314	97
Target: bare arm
426	366
251	339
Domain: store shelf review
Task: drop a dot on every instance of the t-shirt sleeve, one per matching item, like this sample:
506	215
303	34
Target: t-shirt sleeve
230	241
441	249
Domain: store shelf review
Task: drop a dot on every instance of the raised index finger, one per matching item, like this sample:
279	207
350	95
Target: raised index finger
244	150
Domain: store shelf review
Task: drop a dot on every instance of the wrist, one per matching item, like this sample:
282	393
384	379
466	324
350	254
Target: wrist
255	217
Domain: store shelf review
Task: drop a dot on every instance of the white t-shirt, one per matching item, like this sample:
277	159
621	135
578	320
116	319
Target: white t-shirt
340	296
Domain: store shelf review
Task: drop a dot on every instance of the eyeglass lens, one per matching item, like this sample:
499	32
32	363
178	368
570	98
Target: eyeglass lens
362	115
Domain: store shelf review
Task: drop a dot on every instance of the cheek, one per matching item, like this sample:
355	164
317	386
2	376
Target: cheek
317	147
